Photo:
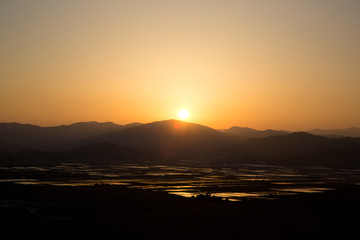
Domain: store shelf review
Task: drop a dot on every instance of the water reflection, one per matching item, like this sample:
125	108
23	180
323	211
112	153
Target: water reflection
304	190
231	182
183	193
18	180
238	194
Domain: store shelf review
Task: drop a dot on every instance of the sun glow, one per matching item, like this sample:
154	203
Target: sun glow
183	114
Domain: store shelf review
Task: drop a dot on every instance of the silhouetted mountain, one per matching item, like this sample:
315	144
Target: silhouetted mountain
109	151
345	156
131	125
292	143
99	153
298	148
347	132
33	136
171	137
177	139
245	133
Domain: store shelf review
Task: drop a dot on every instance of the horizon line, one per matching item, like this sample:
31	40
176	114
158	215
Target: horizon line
94	121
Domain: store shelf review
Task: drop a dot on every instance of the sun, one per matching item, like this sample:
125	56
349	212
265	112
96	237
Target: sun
183	114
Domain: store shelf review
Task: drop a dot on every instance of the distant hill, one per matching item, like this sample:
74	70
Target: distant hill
244	133
293	143
92	141
32	136
297	148
100	153
109	151
171	137
347	132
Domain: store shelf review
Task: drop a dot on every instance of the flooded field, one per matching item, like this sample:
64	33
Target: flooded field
230	182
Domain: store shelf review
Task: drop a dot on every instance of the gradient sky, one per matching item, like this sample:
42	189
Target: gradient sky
281	64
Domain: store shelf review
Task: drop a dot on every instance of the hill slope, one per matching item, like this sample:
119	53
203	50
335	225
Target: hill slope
297	149
244	133
32	136
171	137
347	132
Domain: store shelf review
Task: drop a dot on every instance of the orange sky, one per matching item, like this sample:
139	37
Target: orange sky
258	63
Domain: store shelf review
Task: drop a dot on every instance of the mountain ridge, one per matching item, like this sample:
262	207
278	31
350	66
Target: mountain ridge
44	137
342	132
171	137
176	139
245	133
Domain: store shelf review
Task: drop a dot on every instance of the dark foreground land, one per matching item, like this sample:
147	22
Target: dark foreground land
106	212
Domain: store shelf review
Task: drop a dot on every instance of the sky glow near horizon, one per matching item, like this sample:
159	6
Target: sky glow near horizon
281	64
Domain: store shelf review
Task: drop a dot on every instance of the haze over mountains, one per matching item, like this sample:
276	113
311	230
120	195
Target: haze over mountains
33	136
346	132
171	137
298	148
77	134
181	140
246	133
